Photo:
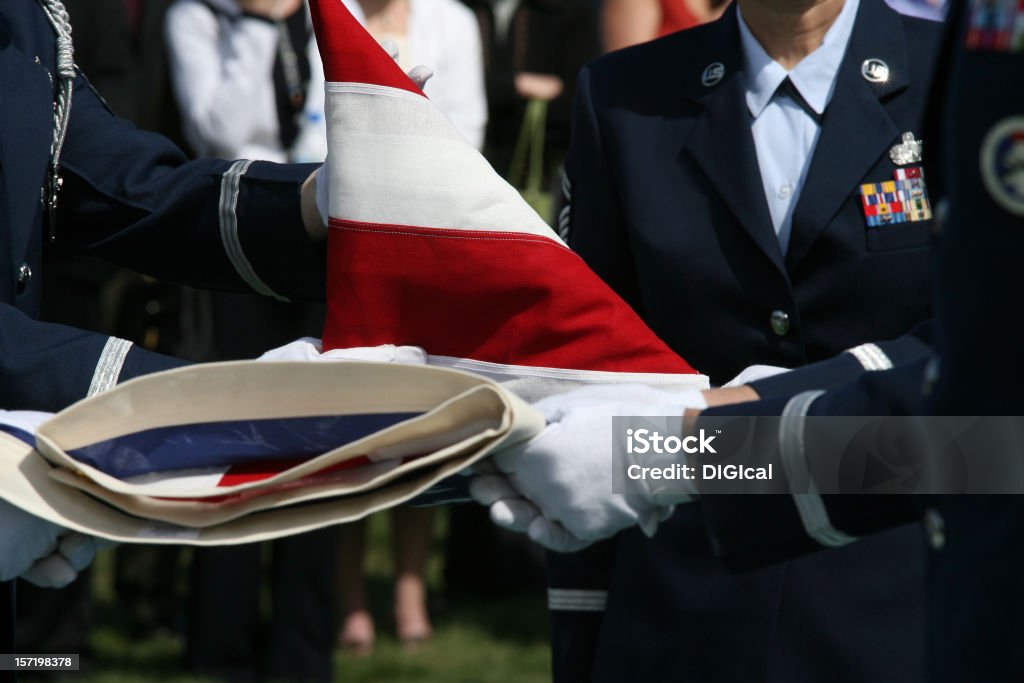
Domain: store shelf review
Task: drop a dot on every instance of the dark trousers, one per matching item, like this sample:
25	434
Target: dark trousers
227	636
7	626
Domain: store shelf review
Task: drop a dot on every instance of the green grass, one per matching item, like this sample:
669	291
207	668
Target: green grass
468	647
476	640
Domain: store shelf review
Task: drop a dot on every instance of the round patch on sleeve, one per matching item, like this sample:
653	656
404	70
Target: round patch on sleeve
1002	164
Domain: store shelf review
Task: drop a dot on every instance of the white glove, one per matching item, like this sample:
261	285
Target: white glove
754	373
309	349
24	540
558	486
32	548
39	551
418	75
510	510
75	552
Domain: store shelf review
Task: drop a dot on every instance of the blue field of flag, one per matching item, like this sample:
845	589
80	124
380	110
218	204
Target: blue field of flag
219	444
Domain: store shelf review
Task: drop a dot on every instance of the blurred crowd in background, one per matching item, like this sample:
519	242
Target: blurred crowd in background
242	79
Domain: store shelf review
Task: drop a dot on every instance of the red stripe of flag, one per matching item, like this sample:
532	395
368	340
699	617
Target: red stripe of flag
505	297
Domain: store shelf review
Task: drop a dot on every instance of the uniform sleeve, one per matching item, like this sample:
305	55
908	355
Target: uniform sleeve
133	198
48	367
597	229
747	532
849	365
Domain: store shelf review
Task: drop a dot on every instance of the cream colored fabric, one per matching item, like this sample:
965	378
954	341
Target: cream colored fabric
466	417
247	390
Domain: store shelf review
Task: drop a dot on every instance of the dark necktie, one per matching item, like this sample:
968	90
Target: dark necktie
291	74
787	89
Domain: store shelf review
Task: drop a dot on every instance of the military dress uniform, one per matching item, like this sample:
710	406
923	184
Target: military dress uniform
975	595
669	207
132	198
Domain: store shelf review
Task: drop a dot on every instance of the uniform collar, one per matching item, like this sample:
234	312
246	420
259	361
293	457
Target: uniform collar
814	77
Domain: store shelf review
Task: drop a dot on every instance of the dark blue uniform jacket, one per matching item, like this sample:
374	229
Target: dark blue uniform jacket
668	207
130	197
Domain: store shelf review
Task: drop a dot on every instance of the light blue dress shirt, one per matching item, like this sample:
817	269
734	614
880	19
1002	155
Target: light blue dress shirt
784	133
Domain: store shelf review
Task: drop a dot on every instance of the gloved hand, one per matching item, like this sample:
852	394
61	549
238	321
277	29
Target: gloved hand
418	74
321	178
74	553
32	548
753	373
24	540
309	349
558	487
40	552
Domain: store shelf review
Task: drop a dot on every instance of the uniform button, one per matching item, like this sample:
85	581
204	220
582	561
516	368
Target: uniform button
935	529
785	191
24	275
780	323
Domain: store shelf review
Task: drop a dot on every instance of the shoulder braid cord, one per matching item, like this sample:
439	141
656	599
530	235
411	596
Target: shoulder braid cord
61	22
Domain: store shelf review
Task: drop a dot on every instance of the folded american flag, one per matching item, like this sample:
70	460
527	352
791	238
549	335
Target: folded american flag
236	452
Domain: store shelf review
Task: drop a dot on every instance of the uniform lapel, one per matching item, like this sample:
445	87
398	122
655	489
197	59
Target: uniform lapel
856	129
5	217
722	144
24	143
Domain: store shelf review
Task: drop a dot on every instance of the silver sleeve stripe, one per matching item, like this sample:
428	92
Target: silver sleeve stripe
871	357
572	600
108	367
230	187
809	505
563	223
565	215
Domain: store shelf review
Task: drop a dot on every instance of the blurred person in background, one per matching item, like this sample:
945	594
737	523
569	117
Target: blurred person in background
629	22
442	35
248	79
533	49
249	84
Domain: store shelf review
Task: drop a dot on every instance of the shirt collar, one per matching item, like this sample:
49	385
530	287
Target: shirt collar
814	77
